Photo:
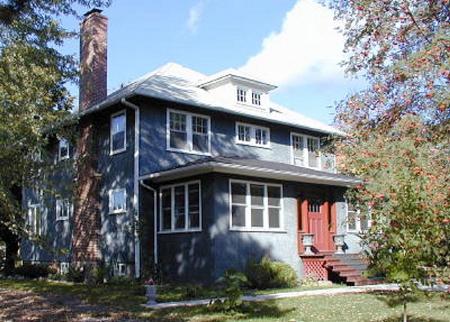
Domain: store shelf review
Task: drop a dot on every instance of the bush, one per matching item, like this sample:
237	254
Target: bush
270	274
75	275
34	270
233	282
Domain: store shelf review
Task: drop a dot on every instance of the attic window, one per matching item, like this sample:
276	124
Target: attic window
256	98
241	95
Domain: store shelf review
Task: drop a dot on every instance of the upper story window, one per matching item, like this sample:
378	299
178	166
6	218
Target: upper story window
187	132
256	98
118	136
180	207
63	149
241	95
64	209
252	135
255	206
305	150
356	221
117	201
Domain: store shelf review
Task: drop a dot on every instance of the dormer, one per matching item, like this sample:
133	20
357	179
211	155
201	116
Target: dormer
232	87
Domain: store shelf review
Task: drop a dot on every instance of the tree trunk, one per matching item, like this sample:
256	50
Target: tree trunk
12	248
405	316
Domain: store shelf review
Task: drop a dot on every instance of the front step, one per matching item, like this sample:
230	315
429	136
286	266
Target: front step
348	268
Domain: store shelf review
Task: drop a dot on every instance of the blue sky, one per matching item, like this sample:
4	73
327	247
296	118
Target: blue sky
288	43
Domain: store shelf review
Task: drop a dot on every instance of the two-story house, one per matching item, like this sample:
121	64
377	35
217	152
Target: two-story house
190	172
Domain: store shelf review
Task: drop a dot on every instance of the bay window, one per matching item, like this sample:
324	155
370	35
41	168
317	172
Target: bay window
255	206
187	132
180	207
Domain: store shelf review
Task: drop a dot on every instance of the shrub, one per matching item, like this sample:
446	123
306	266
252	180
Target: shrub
233	282
34	270
75	275
270	274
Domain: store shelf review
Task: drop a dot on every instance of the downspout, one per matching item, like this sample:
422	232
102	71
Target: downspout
155	222
137	242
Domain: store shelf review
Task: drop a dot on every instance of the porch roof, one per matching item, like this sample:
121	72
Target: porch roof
254	168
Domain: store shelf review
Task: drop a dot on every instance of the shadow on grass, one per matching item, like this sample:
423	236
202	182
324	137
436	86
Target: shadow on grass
411	318
203	313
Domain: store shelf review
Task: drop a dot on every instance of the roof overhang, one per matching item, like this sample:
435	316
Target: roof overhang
260	172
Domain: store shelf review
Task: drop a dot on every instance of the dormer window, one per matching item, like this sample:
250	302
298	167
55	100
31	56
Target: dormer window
256	98
241	95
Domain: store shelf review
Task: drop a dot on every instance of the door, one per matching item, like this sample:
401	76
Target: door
318	223
316	216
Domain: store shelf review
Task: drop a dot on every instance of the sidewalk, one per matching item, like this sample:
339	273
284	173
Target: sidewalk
276	296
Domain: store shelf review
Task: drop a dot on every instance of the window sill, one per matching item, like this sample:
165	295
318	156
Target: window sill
166	232
255	145
62	219
63	159
111	153
189	152
258	230
117	212
312	168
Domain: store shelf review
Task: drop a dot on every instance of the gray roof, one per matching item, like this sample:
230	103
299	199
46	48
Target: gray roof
253	167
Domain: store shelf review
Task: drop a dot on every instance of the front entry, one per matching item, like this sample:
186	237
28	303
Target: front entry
317	216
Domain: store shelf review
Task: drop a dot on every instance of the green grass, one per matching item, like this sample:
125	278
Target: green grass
351	307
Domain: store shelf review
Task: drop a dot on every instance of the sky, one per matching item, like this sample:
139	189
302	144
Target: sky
289	43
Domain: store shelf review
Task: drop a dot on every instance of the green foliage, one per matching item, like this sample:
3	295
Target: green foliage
75	274
270	274
34	270
233	282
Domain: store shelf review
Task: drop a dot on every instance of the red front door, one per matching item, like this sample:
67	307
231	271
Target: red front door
318	224
317	216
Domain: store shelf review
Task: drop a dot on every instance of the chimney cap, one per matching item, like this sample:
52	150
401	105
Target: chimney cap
94	10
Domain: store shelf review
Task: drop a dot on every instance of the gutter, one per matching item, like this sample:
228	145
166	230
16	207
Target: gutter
155	223
137	242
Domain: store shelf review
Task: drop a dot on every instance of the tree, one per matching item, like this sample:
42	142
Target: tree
34	98
397	134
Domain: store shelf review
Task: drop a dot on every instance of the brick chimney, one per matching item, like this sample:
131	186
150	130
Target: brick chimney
93	59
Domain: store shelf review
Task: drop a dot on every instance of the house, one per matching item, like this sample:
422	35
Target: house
191	173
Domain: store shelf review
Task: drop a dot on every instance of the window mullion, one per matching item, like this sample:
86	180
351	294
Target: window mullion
266	208
189	133
248	207
305	151
186	205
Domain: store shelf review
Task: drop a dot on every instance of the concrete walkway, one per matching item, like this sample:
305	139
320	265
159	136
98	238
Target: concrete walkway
276	296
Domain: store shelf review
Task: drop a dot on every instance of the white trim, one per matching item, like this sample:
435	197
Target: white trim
110	205
60	143
357	229
155	220
60	202
186	229
111	151
32	218
248	207
189	133
253	129
64	268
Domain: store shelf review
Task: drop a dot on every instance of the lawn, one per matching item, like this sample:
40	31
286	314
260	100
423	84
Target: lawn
356	307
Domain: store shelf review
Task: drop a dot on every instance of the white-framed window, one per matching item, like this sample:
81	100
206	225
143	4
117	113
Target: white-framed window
305	151
187	132
256	206
64	268
35	219
63	150
256	98
252	135
356	221
180	207
121	269
64	209
118	135
241	95
117	201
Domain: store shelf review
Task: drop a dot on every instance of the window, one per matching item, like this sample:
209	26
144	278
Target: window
118	132
252	135
256	98
35	219
356	222
63	149
188	132
64	209
180	207
64	268
255	206
117	201
305	151
241	95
